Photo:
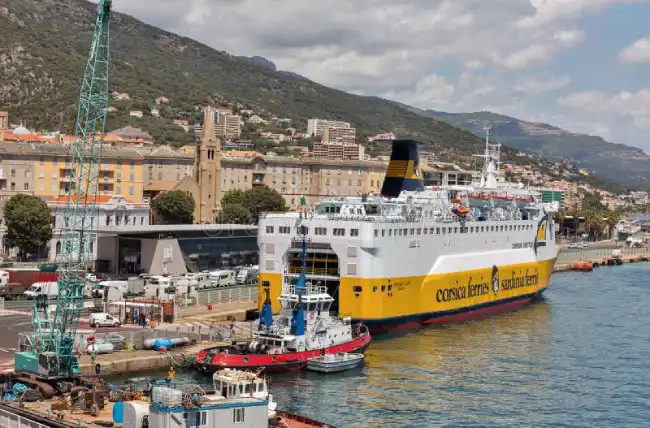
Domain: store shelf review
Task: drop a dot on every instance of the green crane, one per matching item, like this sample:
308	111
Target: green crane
48	353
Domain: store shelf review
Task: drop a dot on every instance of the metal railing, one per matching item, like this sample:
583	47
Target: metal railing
228	295
314	271
12	420
566	255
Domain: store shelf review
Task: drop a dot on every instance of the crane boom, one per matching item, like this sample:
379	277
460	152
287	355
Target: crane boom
52	354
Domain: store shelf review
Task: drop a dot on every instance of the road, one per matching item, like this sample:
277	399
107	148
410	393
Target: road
13	323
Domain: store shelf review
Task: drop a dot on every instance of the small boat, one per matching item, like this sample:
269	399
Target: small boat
333	363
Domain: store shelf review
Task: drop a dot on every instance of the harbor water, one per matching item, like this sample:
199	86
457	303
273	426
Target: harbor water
578	358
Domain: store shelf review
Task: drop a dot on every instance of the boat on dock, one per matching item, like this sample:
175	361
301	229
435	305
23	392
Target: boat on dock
238	398
334	363
303	329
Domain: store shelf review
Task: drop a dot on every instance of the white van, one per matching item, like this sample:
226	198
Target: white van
102	319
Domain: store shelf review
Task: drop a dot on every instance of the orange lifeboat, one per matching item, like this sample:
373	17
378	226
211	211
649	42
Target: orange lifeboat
457	201
462	210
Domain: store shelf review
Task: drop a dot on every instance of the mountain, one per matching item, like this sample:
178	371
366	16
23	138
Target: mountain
43	53
42	58
628	165
261	61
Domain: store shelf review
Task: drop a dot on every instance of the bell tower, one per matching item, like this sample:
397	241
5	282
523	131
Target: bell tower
208	170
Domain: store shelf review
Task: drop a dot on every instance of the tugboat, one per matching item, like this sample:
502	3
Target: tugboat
303	329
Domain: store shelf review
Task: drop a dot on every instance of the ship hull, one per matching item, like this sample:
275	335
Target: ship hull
409	302
409	322
274	362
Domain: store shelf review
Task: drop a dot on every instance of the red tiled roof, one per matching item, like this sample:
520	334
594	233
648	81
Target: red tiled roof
101	199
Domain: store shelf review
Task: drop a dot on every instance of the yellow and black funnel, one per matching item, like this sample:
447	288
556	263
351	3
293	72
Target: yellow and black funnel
403	172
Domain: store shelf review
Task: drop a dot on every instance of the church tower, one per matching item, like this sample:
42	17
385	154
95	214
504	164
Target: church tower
208	170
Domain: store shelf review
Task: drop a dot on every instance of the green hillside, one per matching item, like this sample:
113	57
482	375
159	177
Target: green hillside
42	55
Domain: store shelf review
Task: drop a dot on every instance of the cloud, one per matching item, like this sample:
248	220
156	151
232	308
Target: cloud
638	51
454	55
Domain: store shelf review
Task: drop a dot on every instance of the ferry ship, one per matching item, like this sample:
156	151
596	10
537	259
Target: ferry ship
416	255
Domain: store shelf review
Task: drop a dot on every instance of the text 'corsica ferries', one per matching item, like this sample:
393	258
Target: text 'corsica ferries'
417	256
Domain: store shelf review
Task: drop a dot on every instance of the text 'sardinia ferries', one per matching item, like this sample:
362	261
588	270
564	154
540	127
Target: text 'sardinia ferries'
303	329
417	255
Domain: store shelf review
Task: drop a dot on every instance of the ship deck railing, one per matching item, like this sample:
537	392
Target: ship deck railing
310	289
297	270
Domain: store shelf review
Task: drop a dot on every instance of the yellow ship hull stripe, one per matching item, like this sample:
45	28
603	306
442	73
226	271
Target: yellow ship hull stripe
384	298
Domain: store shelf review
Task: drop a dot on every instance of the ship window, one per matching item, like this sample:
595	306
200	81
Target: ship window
238	415
285	230
437	231
374	289
444	230
269	229
357	289
419	231
383	288
390	232
405	232
425	230
320	231
431	231
383	232
412	232
376	233
202	419
339	232
455	230
354	232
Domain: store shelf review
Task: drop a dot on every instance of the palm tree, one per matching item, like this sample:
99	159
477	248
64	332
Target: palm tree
595	223
612	219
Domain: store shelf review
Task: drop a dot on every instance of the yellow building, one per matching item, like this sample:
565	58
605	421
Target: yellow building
49	172
164	168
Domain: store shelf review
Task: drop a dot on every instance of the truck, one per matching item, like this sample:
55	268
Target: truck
49	289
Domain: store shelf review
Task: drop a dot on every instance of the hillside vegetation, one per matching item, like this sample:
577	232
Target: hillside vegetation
42	56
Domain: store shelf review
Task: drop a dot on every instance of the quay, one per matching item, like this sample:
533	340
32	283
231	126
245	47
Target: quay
588	259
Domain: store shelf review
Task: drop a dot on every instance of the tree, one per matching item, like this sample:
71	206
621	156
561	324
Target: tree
611	219
29	223
235	214
261	199
233	196
594	224
175	207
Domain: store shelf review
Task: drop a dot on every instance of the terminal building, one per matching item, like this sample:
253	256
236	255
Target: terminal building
174	249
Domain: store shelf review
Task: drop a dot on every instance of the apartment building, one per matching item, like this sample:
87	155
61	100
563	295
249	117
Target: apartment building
163	168
4	120
45	170
227	125
293	177
338	151
316	127
445	174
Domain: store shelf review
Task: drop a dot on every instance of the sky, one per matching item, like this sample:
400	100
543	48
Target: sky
582	65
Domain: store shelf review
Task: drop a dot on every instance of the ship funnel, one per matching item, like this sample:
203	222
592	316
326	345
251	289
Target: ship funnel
403	172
